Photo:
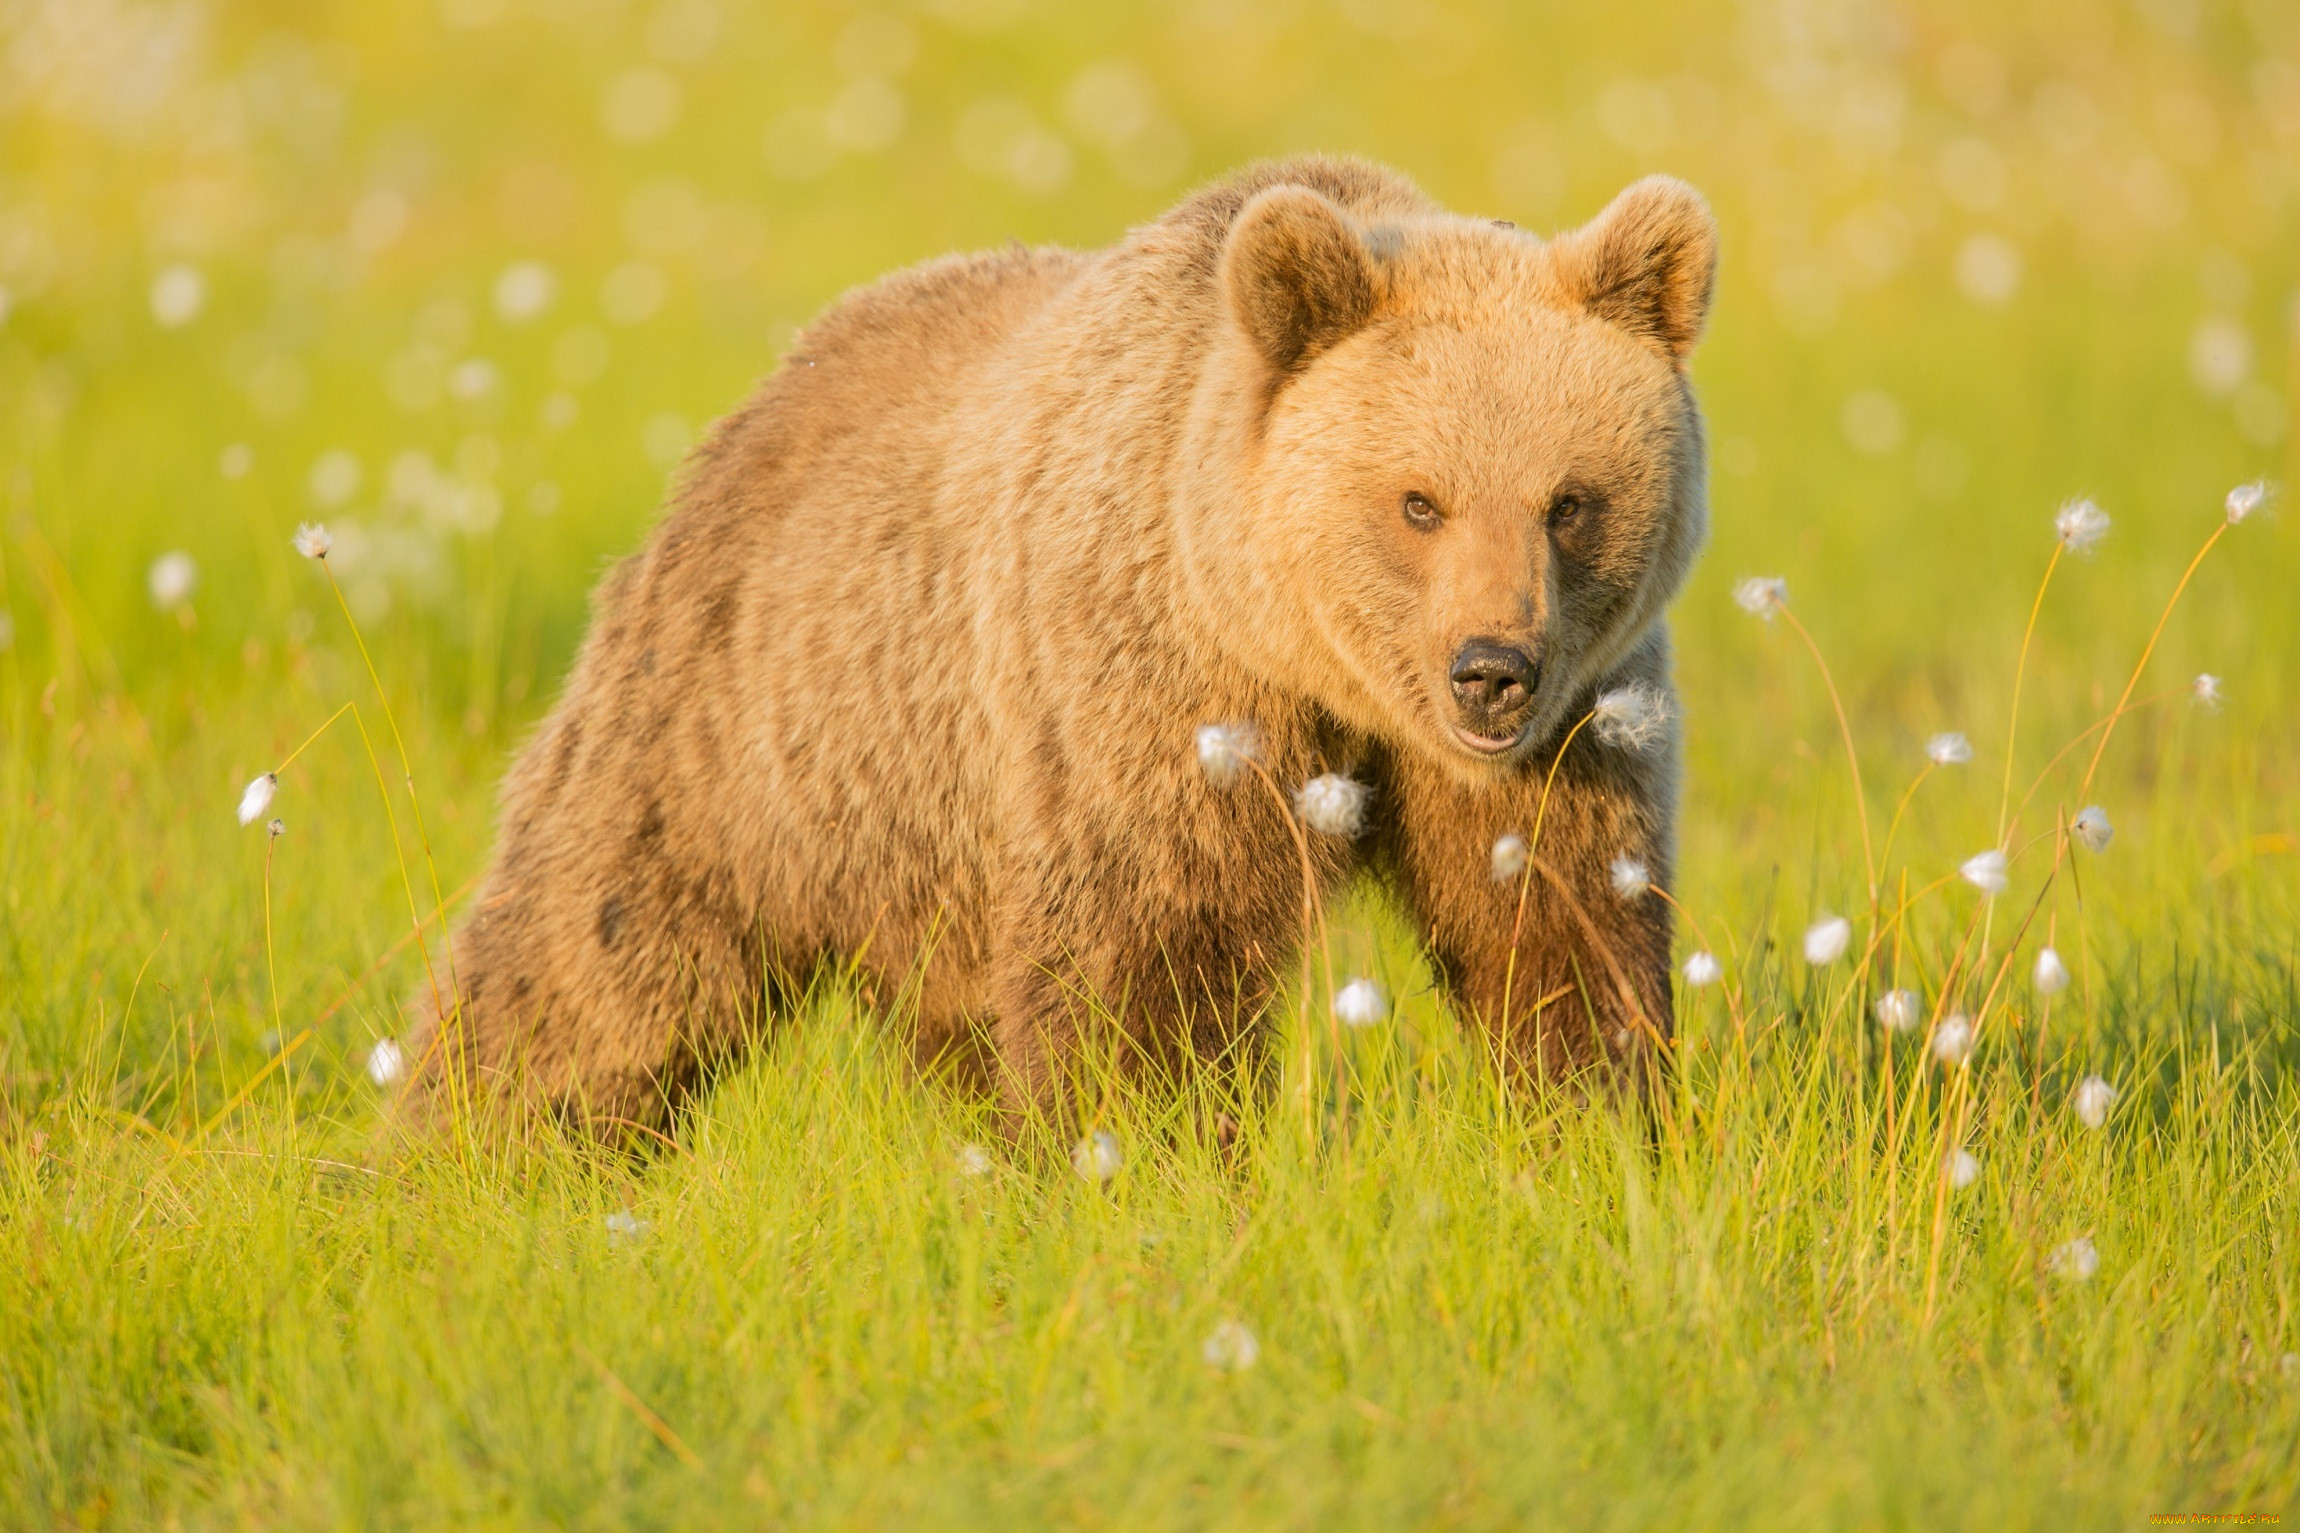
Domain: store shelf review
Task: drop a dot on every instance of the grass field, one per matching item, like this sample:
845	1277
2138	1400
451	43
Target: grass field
463	279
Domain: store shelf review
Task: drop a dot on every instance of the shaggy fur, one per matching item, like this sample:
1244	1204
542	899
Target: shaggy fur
908	677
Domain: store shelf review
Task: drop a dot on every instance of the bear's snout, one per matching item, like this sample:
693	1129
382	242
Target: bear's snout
1493	687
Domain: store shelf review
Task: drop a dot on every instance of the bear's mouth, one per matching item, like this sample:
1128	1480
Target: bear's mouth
1488	745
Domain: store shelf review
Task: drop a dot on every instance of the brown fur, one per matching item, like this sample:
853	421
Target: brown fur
909	675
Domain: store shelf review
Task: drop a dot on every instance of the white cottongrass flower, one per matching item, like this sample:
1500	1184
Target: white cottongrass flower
2094	1097
1899	1011
1963	1167
1510	855
1762	595
178	294
1361	1003
2206	688
1703	969
2075	1259
1632	717
2080	525
973	1160
172	579
1231	1347
624	1227
2050	975
1826	939
472	378
1953	1039
257	797
1631	878
1986	872
1098	1157
1333	805
524	289
2091	827
313	541
386	1062
1949	748
2246	499
276	829
1225	751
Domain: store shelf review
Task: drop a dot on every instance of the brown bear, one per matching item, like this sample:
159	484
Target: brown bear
910	679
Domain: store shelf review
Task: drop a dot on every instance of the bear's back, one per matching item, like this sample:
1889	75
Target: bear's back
1016	336
866	386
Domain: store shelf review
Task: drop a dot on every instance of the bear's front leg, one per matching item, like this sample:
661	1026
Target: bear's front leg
1561	959
1143	957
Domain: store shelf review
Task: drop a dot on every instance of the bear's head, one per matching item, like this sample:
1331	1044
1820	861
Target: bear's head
1466	467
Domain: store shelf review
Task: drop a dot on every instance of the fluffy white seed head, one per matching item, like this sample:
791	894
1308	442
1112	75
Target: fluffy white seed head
1098	1157
1361	1003
2094	1097
178	294
2051	975
1634	717
1231	1347
524	289
1949	748
1703	969
2247	498
1762	595
172	579
1225	750
1826	939
1333	805
973	1160
1986	872
2206	688
1510	855
1631	878
624	1227
257	797
1963	1167
276	829
386	1062
1953	1039
2091	827
313	540
2075	1260
1899	1011
2080	526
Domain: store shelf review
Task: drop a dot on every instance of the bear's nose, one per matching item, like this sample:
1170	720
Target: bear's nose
1491	678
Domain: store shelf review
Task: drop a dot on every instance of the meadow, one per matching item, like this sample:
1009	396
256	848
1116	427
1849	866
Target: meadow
462	280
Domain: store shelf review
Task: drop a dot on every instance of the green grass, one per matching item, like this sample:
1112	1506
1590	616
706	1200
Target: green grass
228	1298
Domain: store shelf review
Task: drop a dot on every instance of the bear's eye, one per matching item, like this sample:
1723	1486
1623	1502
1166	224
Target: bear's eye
1567	508
1421	512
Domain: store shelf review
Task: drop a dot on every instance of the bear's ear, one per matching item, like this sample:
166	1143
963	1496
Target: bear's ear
1646	264
1298	277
